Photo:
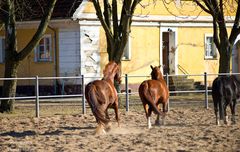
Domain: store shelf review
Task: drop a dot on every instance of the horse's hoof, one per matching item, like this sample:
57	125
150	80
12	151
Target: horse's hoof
233	120
108	127
226	123
100	132
157	123
163	123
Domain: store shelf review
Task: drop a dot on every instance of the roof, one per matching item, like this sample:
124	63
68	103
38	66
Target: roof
29	10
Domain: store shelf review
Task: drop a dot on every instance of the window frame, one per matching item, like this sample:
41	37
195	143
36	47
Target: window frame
208	56
37	50
2	49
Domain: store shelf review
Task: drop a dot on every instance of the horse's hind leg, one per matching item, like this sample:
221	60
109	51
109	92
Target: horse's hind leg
108	125
148	114
216	111
225	110
149	118
116	113
233	109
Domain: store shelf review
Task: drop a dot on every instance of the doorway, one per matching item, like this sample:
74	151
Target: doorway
168	51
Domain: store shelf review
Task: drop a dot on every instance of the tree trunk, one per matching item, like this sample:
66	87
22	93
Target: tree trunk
224	61
13	56
9	86
224	64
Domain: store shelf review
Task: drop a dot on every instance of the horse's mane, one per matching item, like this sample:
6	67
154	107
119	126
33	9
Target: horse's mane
110	69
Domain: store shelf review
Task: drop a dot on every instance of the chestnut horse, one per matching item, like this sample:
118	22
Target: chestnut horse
152	93
225	91
101	95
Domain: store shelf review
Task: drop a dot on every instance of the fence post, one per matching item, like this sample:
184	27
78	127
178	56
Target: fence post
206	90
167	79
37	97
83	96
126	91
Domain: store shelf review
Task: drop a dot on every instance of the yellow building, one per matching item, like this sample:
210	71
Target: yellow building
179	37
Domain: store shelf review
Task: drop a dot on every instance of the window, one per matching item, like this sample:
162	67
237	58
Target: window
210	48
2	49
43	50
127	51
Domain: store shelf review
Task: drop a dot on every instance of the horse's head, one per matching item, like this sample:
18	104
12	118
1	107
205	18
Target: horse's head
112	71
156	73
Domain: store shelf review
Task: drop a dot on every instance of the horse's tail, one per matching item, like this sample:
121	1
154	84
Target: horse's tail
147	95
95	106
217	86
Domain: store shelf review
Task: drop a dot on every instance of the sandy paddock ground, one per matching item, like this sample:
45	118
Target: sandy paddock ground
190	128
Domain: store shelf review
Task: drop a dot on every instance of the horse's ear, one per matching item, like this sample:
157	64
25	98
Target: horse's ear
159	66
151	67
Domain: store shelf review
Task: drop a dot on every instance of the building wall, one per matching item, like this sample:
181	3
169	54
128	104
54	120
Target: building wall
144	52
69	52
191	48
90	53
28	67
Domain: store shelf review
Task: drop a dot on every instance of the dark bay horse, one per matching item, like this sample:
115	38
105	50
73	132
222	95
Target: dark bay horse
225	91
152	93
101	95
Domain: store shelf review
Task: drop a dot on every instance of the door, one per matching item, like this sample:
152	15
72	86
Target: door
168	51
165	52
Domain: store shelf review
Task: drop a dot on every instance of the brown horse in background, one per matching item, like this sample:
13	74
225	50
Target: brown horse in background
152	93
101	94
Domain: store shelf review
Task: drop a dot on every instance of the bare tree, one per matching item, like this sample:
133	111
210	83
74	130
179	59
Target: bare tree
224	42
13	56
116	29
219	10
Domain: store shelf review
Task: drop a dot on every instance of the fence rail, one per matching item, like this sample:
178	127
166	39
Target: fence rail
38	97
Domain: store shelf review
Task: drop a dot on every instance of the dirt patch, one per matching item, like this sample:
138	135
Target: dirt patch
186	129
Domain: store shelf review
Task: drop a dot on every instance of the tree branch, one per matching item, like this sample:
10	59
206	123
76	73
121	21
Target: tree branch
215	34
235	29
40	32
115	19
103	23
207	10
107	13
124	23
